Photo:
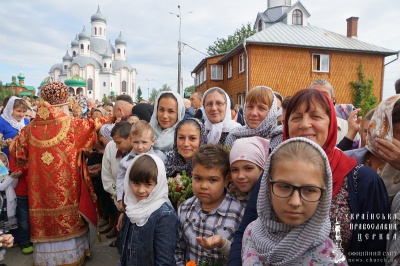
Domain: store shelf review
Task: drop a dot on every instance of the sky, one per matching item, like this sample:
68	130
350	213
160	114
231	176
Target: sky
35	34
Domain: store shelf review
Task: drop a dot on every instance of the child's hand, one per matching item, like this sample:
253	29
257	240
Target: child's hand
16	174
119	223
212	242
6	241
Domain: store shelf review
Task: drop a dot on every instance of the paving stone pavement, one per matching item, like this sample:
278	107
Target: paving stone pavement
101	254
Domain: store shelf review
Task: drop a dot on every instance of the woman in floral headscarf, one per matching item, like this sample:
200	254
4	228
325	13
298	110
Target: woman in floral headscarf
261	113
382	150
190	135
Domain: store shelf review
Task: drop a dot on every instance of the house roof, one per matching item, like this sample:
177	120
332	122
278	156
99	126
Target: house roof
201	64
280	34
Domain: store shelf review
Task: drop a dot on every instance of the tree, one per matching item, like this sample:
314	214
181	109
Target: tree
153	95
4	92
225	45
363	96
105	99
154	92
139	95
188	91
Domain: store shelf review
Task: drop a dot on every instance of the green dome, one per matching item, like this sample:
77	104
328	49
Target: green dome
21	76
44	82
75	81
14	77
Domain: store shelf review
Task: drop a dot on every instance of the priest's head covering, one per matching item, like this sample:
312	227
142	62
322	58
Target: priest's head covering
55	93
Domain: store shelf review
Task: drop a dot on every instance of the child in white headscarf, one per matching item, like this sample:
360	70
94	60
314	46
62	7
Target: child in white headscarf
150	235
293	205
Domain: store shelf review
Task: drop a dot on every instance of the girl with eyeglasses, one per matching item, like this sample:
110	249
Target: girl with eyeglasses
293	223
360	201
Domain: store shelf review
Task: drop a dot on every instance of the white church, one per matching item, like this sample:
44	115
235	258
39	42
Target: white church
96	66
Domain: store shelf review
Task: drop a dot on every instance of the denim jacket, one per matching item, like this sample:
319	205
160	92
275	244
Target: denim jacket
153	243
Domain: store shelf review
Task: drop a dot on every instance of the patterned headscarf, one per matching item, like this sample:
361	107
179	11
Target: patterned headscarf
164	137
381	126
7	114
281	244
226	125
105	131
139	212
267	129
175	162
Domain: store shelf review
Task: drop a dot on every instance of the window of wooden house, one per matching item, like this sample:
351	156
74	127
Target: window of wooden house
320	62
201	79
230	69
240	98
297	17
216	72
260	25
241	63
204	74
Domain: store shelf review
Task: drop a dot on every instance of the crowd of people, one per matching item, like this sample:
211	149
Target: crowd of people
281	181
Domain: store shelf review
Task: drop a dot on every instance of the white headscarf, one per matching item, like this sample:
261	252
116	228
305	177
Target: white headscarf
139	212
227	124
165	137
282	244
7	114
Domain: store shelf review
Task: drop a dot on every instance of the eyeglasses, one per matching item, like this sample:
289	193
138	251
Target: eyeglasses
285	190
218	104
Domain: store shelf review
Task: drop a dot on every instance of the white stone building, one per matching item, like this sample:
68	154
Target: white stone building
103	66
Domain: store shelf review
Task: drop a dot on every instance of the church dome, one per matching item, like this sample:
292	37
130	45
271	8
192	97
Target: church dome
67	57
21	76
44	82
98	16
107	54
75	81
75	42
84	35
120	39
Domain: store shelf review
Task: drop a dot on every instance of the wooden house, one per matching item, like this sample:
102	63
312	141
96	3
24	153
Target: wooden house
287	54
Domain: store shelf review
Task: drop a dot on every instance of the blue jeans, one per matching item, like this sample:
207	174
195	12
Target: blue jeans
24	233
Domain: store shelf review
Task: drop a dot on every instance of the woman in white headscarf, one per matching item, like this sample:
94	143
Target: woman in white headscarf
219	121
12	120
168	111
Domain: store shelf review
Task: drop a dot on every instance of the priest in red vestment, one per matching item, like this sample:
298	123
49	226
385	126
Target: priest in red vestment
61	196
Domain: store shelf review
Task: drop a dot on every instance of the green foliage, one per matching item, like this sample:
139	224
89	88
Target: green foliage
105	99
225	45
180	188
4	92
154	92
363	96
139	95
188	91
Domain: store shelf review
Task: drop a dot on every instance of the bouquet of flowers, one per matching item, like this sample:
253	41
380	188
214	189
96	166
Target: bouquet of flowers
179	188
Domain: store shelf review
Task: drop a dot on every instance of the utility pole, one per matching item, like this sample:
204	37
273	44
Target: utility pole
180	85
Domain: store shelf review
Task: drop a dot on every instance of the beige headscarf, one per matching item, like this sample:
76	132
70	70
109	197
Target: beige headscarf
381	126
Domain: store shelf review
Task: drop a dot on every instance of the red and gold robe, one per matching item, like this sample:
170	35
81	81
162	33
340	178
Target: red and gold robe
52	144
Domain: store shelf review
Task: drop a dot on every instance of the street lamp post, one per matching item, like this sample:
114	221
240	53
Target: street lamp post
180	85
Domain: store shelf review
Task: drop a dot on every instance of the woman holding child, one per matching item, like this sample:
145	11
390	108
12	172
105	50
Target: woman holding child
190	134
219	122
356	190
261	113
168	111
